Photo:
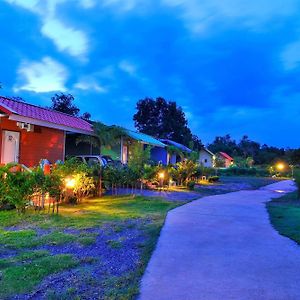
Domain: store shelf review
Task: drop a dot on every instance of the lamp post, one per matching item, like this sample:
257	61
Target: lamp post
161	176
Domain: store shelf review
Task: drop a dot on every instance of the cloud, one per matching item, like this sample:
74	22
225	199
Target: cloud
124	5
290	57
65	38
31	5
87	3
201	15
127	67
89	84
42	76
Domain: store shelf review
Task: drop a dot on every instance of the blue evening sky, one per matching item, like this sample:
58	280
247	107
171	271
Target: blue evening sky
233	65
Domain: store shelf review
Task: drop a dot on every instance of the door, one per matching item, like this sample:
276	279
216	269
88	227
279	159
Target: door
124	154
10	147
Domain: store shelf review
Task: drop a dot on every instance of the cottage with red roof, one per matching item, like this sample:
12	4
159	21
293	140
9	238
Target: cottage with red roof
29	133
225	158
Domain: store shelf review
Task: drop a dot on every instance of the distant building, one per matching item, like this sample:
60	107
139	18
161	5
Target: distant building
206	158
226	159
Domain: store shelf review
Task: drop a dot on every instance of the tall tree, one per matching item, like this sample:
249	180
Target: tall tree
64	103
248	148
162	119
224	144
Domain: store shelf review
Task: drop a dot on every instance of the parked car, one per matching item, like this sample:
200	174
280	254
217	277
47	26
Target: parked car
111	162
92	160
108	159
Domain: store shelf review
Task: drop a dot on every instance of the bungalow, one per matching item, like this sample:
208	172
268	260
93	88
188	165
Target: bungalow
206	158
225	159
122	151
166	156
29	133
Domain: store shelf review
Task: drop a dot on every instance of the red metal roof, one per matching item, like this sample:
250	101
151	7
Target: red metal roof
43	114
225	155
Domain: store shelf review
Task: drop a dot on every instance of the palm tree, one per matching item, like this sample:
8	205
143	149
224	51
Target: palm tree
104	135
172	150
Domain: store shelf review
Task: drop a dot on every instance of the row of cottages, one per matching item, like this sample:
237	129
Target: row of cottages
29	133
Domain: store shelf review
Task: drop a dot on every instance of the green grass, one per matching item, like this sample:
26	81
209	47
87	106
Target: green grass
91	213
285	215
21	278
24	271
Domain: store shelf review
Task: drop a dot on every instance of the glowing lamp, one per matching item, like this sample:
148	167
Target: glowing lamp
70	183
161	175
280	166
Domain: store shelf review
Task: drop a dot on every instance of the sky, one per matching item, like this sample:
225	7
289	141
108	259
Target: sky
232	65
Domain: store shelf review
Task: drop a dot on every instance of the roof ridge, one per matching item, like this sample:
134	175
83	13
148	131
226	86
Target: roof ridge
42	107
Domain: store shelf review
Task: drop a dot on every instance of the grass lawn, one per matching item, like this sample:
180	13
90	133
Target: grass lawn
285	215
97	249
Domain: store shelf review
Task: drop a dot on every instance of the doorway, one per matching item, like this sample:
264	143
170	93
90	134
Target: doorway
10	147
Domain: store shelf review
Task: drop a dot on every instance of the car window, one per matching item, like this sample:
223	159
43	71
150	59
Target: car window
79	159
91	161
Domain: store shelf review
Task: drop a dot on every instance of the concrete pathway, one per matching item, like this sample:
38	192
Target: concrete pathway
223	247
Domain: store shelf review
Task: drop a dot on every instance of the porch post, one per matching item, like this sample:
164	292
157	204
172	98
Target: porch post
121	158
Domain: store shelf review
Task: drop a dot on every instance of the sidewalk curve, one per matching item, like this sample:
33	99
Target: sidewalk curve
224	247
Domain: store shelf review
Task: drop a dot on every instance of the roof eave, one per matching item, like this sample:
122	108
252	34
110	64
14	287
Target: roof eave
6	109
18	118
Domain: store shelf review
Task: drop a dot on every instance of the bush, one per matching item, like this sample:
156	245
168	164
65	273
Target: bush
213	179
191	185
82	174
236	171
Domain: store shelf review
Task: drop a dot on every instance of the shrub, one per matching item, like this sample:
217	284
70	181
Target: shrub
243	171
82	174
17	187
213	179
191	185
183	171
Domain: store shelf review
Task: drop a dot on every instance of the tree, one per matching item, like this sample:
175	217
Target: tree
248	148
223	144
162	119
64	103
86	116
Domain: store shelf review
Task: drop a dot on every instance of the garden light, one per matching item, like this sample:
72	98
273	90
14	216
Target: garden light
280	166
161	175
70	183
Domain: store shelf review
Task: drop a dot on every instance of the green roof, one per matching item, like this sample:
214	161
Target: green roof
144	138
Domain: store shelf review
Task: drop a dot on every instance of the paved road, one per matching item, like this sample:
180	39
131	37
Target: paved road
223	247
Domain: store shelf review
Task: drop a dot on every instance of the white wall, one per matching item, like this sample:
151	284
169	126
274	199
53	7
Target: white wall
205	159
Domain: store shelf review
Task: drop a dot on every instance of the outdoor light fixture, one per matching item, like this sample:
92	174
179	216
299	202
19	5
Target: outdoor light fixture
70	183
280	166
161	175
